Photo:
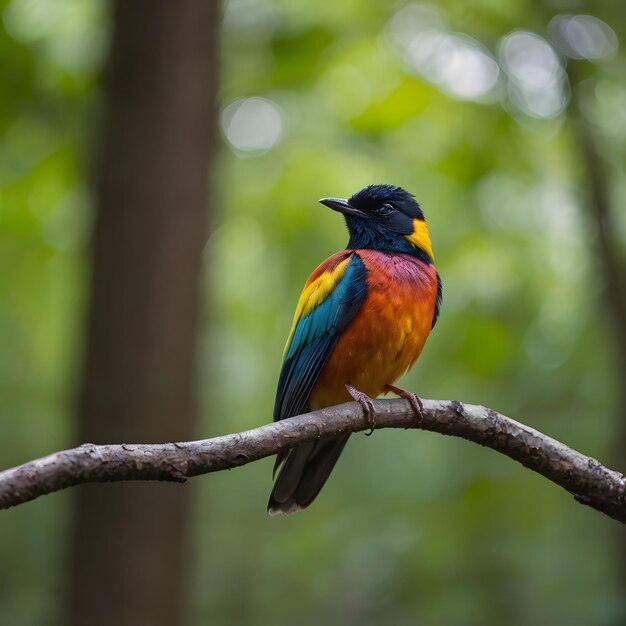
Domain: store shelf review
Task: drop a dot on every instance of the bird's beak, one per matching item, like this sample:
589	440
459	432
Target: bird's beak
343	206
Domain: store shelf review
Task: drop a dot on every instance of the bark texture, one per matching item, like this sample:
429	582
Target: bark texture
158	139
585	478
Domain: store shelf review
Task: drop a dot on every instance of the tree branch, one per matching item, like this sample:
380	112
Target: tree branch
585	478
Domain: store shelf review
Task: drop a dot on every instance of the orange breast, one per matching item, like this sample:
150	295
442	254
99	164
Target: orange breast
387	334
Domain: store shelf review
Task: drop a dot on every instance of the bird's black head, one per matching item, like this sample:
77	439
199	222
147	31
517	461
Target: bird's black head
387	218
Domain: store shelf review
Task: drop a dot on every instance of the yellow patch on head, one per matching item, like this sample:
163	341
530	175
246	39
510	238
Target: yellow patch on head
421	238
315	292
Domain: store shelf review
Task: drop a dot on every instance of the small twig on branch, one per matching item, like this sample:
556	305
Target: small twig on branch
585	478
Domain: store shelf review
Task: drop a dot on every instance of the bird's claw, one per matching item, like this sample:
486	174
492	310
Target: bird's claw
414	400
366	404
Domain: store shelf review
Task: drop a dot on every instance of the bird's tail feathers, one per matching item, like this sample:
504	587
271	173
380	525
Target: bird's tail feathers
303	474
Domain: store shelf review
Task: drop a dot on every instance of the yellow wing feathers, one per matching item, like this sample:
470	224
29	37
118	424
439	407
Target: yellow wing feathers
315	292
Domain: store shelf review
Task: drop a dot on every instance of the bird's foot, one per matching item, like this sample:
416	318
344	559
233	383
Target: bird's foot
366	403
414	400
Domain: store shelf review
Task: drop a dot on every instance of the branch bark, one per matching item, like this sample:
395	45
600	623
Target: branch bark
585	478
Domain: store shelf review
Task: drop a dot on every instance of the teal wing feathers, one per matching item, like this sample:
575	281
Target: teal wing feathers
315	334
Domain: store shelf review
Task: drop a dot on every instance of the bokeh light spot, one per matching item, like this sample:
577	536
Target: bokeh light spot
252	125
456	63
583	37
537	82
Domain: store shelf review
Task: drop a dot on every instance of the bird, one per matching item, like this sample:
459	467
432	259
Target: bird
360	323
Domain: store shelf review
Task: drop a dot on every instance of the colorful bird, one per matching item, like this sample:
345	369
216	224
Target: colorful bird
360	323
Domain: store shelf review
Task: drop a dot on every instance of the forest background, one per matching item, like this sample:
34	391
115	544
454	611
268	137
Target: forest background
507	120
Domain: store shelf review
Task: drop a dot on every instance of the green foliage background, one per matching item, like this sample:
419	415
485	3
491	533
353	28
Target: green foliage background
412	527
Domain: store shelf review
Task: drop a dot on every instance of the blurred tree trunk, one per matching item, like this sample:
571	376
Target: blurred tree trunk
611	266
129	543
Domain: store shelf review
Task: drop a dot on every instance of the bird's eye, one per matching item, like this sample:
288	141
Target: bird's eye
385	209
